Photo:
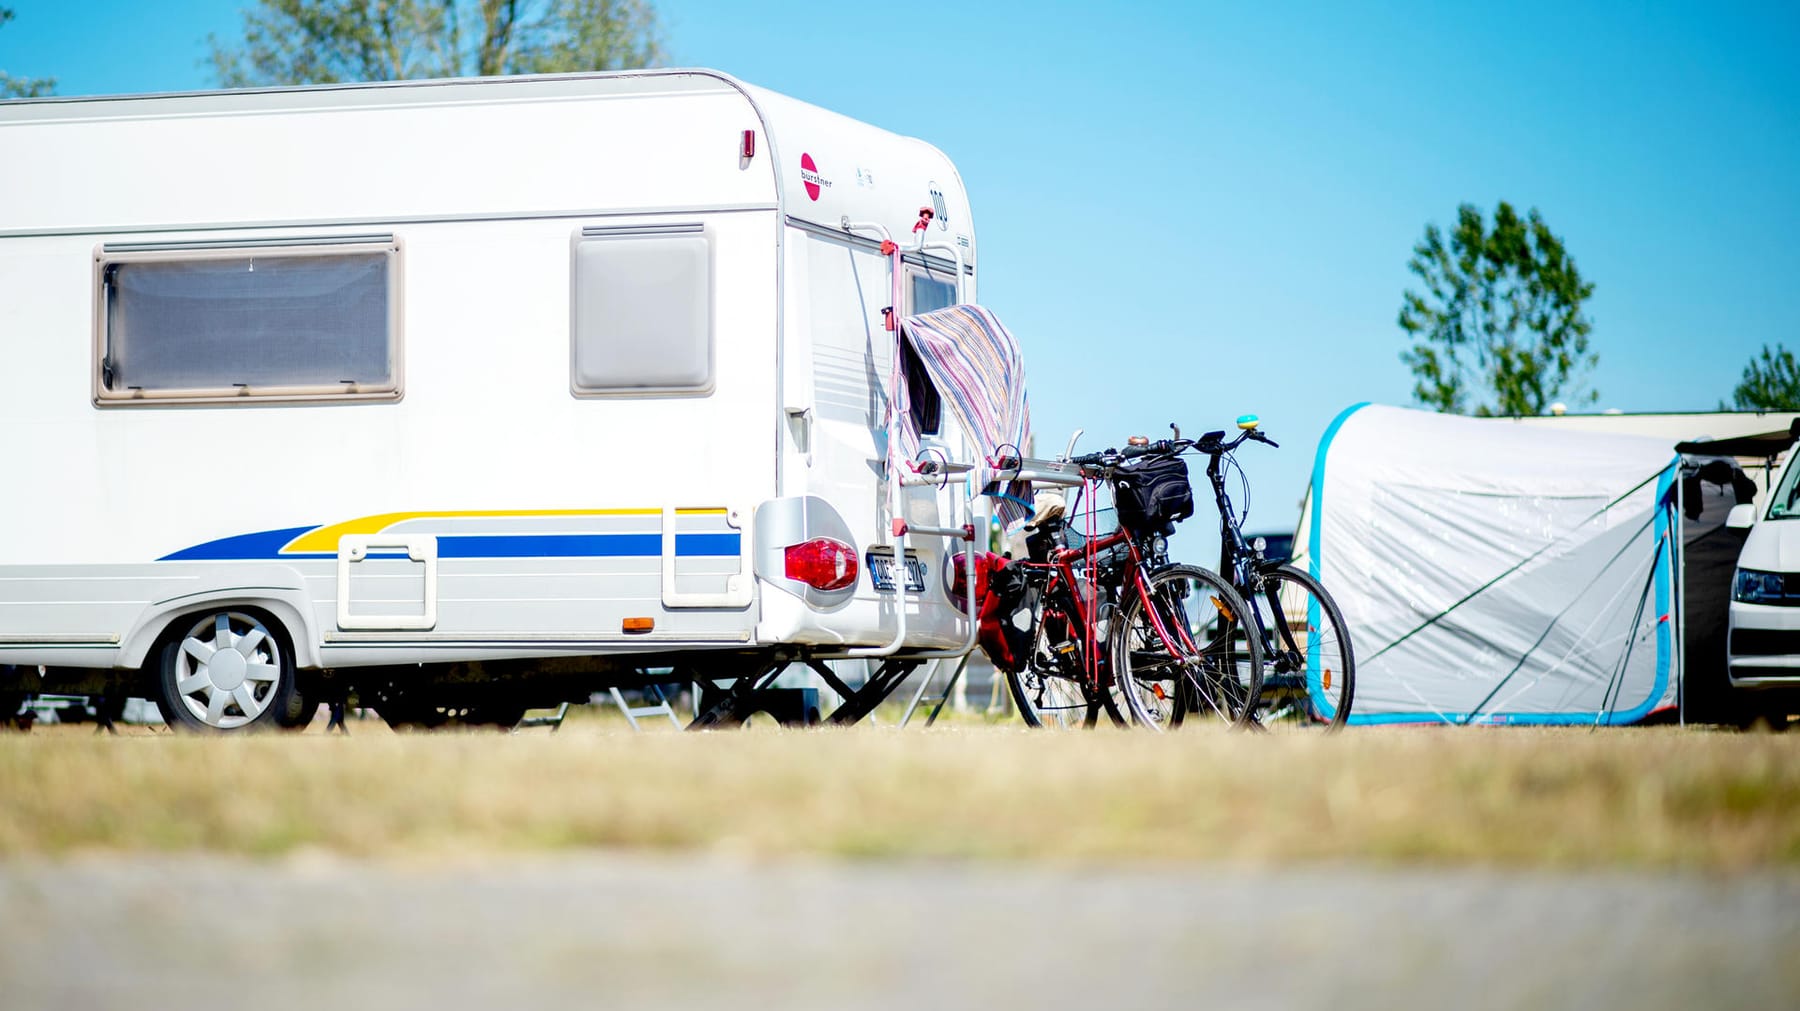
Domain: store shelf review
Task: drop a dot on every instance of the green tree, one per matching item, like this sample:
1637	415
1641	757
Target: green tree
22	87
1771	382
333	41
1500	317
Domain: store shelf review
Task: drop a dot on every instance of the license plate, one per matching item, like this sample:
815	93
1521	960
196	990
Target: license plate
881	572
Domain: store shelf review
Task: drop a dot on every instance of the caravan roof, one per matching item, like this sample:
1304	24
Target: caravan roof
383	138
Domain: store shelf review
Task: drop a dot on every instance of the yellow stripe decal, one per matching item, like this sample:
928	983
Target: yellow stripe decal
324	540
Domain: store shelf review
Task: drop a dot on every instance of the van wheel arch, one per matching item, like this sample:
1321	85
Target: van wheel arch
289	609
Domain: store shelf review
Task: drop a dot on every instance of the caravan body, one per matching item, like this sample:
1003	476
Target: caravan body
465	371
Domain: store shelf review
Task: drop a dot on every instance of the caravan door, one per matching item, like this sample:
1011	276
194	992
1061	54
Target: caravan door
852	360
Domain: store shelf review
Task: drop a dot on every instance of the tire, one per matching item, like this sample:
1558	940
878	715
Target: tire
1046	699
226	670
1309	668
1212	671
1052	703
300	711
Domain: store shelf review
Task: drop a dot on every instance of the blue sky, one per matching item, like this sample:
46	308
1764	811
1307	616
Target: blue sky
1192	211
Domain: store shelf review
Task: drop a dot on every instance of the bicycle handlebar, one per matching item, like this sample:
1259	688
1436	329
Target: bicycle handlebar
1214	444
1211	444
1099	462
1107	458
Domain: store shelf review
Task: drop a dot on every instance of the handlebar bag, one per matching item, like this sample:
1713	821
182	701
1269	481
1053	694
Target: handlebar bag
1153	494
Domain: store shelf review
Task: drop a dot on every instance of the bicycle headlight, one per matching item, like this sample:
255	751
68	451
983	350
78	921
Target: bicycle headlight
1260	545
1753	587
1159	545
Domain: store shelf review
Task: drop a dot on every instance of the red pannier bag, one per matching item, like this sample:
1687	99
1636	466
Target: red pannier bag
999	593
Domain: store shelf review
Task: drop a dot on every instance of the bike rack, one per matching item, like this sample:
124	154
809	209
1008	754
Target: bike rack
896	470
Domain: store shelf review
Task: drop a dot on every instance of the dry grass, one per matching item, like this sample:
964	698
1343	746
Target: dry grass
1566	798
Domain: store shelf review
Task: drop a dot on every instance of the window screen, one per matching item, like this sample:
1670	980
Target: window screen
930	293
257	321
641	320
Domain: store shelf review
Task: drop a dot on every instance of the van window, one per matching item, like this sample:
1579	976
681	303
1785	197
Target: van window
236	322
1784	504
641	320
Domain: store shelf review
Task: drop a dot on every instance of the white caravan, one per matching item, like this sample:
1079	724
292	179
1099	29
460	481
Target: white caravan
465	395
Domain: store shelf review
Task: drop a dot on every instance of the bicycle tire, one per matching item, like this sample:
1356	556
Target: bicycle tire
1215	673
1309	667
1053	702
1049	700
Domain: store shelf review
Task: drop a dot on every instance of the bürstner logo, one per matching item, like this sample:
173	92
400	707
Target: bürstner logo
809	174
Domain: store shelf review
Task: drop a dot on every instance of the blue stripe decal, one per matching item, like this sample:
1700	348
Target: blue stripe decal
266	546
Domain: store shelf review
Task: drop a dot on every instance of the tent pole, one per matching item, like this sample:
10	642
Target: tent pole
1679	660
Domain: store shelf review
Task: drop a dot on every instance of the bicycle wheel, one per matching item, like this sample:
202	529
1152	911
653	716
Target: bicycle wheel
1051	691
1309	671
1187	655
1055	698
1051	702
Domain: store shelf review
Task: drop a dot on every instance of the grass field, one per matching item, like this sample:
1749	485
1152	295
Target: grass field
1657	797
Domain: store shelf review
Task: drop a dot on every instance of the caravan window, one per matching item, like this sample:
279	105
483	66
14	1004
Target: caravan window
930	291
231	322
926	291
641	319
242	321
921	392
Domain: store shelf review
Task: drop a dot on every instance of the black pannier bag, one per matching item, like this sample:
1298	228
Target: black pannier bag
1153	495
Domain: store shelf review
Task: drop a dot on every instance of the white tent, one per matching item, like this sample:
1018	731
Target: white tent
1498	573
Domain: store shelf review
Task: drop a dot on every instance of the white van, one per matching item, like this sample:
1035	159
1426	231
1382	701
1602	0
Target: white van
1764	628
465	395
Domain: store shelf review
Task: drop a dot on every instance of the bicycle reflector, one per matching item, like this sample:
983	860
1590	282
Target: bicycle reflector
822	563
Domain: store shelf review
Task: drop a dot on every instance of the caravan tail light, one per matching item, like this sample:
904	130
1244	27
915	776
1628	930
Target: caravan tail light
822	563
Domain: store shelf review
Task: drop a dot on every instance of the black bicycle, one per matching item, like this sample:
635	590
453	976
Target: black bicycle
1309	675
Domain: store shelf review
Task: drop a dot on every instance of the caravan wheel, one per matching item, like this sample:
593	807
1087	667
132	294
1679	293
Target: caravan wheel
226	670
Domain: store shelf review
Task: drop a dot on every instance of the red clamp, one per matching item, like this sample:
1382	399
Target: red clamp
899	527
968	533
887	317
924	222
889	247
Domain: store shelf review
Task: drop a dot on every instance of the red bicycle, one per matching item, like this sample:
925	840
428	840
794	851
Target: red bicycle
1114	625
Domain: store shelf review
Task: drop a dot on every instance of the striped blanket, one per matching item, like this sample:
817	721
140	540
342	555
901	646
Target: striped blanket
975	364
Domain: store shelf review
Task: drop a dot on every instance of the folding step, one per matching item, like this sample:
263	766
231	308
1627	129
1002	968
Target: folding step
662	707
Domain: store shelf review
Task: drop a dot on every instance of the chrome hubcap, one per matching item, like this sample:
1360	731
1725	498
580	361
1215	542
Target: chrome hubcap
227	670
